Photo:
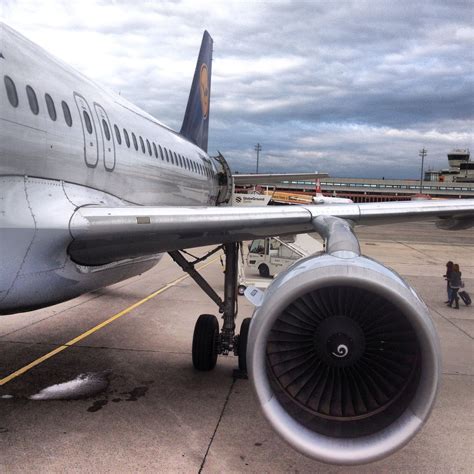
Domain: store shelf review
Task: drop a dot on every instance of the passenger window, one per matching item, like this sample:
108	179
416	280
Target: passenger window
148	146
135	143
127	139
32	100
155	150
176	158
161	152
142	144
11	91
87	121
67	114
106	129
166	154
171	157
51	108
117	135
180	161
187	162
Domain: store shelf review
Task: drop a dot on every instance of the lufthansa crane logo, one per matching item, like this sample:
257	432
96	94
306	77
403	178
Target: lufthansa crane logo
341	351
204	90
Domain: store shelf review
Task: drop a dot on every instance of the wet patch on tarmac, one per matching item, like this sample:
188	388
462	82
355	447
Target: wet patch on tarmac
136	393
97	405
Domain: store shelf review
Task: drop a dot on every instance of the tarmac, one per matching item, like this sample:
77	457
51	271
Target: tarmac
155	413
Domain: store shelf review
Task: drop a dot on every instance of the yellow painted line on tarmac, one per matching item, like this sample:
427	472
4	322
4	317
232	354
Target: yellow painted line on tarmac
82	336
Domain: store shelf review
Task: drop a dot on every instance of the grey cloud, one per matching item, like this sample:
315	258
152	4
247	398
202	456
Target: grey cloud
353	87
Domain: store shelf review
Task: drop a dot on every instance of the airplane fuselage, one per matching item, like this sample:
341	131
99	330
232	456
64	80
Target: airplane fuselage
65	143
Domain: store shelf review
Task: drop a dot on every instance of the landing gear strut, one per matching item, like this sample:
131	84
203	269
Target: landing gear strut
208	341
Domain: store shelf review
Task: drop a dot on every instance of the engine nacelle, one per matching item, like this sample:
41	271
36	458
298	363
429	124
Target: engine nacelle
344	359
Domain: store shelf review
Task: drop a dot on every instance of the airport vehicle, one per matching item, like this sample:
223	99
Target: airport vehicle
268	257
341	352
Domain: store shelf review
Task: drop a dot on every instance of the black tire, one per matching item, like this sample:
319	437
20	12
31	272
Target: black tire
241	289
264	271
206	333
243	338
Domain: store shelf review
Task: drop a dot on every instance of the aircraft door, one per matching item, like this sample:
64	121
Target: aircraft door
108	144
91	150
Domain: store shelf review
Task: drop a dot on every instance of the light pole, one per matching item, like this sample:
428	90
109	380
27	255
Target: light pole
258	149
422	153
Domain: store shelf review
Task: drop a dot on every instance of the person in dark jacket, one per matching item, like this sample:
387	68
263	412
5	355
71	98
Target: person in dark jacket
449	269
455	284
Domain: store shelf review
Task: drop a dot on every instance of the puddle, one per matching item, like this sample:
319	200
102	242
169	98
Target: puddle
83	386
97	405
136	393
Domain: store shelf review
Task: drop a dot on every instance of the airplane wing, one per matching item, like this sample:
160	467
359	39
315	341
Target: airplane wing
103	235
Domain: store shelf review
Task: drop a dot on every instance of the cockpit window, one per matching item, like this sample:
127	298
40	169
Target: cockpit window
32	100
51	108
67	113
11	91
87	121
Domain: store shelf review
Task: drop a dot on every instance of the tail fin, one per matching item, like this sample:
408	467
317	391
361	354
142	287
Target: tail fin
196	119
318	186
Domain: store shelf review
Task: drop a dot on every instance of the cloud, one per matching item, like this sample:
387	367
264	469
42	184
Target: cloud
351	88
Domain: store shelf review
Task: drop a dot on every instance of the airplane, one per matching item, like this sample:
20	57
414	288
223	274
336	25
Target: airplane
341	352
320	198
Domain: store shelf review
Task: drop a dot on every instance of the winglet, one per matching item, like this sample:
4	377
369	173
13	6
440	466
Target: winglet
196	119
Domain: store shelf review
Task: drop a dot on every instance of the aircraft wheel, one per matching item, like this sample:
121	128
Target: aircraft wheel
241	289
206	333
264	271
243	338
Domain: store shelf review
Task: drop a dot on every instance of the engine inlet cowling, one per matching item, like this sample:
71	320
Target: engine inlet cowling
344	359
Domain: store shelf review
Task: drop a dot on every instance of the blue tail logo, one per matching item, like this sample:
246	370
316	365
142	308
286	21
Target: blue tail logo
196	119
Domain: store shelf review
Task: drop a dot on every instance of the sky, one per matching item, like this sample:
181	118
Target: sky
353	88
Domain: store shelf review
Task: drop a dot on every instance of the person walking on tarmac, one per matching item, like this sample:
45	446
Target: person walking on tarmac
455	284
449	270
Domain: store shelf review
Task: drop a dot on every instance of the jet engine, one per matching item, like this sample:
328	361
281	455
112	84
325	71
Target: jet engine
344	359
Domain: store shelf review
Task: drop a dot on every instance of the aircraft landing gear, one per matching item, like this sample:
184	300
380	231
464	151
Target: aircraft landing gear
208	341
205	341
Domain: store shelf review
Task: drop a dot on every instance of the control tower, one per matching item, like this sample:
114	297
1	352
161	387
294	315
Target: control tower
458	157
